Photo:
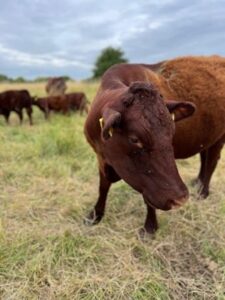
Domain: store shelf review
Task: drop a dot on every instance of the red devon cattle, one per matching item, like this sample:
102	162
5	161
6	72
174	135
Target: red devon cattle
142	119
77	102
16	101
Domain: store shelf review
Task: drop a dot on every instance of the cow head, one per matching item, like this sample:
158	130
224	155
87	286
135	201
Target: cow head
137	132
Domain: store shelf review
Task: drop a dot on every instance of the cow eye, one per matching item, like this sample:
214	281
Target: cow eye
133	139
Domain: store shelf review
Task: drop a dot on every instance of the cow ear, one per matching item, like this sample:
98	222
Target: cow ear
110	119
180	110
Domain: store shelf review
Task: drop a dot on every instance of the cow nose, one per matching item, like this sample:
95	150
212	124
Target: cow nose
176	203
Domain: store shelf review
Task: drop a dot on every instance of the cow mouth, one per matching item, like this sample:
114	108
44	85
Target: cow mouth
170	204
150	203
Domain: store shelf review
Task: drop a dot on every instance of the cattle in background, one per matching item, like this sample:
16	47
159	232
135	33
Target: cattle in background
56	86
54	103
132	133
16	100
78	102
62	104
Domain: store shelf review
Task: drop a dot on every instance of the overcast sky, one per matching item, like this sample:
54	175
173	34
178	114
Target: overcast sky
55	37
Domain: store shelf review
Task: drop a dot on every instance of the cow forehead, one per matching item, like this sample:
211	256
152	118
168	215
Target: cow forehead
151	115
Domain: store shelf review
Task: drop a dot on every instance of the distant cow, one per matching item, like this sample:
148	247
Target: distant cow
77	102
56	86
132	132
16	100
62	104
53	103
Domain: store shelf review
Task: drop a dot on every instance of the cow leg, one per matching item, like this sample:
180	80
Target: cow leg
46	113
151	223
211	160
95	216
20	114
29	113
6	115
198	180
203	158
97	213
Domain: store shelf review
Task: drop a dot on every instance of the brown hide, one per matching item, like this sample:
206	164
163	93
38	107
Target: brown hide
53	103
63	103
194	83
77	102
16	100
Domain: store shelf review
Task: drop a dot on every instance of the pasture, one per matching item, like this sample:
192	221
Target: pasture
49	182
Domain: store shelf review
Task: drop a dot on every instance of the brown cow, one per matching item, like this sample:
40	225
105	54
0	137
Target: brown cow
56	86
136	138
16	100
78	102
63	104
52	103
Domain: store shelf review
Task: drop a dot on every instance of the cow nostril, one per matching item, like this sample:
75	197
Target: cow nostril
178	202
171	203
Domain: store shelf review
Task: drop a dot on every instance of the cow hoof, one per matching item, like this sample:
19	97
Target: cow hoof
203	193
145	235
92	218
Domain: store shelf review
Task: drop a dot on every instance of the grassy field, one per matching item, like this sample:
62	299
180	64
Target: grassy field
49	182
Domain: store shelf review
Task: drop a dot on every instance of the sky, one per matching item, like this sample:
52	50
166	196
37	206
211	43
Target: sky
55	37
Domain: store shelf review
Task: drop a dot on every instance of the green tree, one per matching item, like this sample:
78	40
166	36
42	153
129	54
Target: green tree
19	79
108	57
4	78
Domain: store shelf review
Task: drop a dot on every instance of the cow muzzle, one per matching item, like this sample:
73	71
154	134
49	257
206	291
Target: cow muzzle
176	203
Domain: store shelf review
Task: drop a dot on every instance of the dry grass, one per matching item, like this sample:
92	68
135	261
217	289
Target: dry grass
48	182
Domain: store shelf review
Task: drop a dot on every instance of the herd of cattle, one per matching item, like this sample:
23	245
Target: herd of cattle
18	100
145	116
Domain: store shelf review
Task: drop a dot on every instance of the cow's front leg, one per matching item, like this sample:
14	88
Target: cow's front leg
151	223
105	181
95	216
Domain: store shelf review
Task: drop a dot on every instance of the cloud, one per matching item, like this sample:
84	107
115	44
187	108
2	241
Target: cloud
27	59
57	36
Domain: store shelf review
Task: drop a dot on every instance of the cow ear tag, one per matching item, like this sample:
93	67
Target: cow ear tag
111	132
173	117
101	121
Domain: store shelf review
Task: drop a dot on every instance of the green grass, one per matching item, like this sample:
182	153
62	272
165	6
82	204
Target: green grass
49	182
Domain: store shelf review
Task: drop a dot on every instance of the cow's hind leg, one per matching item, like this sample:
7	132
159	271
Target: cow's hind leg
199	179
29	113
20	114
211	160
95	216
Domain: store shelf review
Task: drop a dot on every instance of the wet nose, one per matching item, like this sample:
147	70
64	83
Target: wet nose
175	203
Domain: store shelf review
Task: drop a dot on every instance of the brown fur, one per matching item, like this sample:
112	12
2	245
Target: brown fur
78	102
16	100
197	80
53	103
63	104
